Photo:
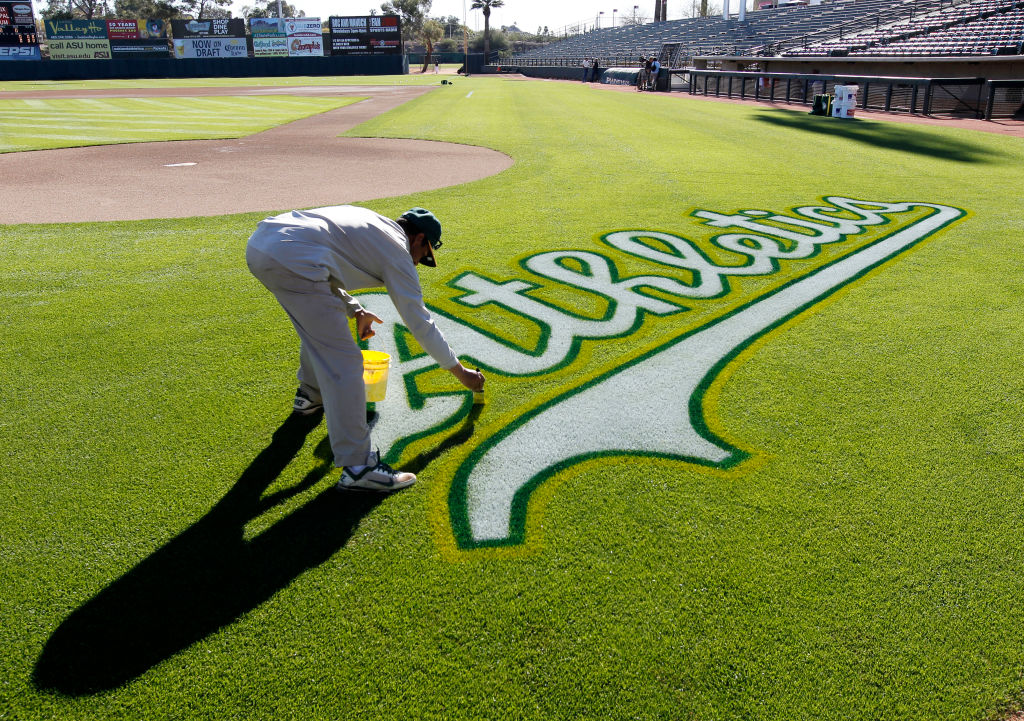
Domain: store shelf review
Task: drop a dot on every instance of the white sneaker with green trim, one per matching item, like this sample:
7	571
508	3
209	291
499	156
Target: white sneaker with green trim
376	476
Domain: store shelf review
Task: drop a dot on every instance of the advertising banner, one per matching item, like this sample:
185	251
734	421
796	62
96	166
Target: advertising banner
218	27
142	47
83	49
210	48
18	38
305	46
75	29
266	26
124	29
270	47
302	26
366	35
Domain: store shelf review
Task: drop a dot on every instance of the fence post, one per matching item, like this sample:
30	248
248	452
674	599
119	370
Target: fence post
927	99
913	100
888	97
991	100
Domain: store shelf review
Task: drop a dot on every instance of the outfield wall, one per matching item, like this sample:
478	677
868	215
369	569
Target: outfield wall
550	72
195	68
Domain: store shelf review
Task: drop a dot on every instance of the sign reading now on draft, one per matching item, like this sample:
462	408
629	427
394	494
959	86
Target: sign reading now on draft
207	48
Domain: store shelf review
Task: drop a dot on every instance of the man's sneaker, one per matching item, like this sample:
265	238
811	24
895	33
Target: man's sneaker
304	405
377	476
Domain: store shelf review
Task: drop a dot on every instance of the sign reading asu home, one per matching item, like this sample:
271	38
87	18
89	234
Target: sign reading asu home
366	35
689	306
77	39
18	37
82	49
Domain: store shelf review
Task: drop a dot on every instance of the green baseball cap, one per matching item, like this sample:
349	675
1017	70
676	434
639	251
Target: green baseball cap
427	223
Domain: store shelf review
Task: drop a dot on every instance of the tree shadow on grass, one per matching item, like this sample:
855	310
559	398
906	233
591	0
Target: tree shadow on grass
903	137
205	578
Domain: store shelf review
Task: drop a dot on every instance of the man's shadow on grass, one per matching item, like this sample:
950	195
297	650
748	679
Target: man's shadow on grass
210	575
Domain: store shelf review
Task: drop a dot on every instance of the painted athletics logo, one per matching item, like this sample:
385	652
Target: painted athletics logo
623	363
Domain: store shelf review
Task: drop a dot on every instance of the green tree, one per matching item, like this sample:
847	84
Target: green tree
203	9
412	14
498	42
268	9
146	10
486	6
430	33
76	10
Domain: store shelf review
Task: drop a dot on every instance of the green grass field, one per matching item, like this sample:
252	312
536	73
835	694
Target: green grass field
172	545
41	123
413	78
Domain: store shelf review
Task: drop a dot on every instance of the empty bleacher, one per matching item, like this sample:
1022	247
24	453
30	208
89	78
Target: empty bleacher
973	27
760	33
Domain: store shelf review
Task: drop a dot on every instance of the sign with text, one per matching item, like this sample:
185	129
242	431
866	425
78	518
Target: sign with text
18	37
366	35
214	28
266	26
305	37
139	47
305	46
79	49
270	47
302	26
208	48
75	29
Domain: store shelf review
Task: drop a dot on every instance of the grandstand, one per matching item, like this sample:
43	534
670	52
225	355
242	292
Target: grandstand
981	27
762	30
955	56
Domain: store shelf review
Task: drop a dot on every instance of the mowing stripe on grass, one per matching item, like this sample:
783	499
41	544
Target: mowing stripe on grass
44	123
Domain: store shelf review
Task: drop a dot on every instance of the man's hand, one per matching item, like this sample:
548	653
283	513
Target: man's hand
364	324
474	380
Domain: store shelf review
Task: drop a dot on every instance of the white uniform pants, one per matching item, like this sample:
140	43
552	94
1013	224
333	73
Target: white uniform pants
330	362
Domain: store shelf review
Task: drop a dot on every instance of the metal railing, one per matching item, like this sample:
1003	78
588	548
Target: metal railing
927	96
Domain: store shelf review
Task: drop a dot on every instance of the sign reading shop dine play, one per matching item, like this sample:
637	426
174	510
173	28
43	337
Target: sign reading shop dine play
693	300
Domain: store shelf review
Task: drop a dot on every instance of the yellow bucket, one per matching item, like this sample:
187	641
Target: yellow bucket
375	374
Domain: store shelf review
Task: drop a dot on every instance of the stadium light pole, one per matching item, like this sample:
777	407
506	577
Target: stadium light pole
614	10
635	8
599	19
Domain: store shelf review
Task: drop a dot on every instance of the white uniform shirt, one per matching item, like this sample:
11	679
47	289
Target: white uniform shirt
354	249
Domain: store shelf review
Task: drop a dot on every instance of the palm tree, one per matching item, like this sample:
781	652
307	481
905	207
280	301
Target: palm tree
486	6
